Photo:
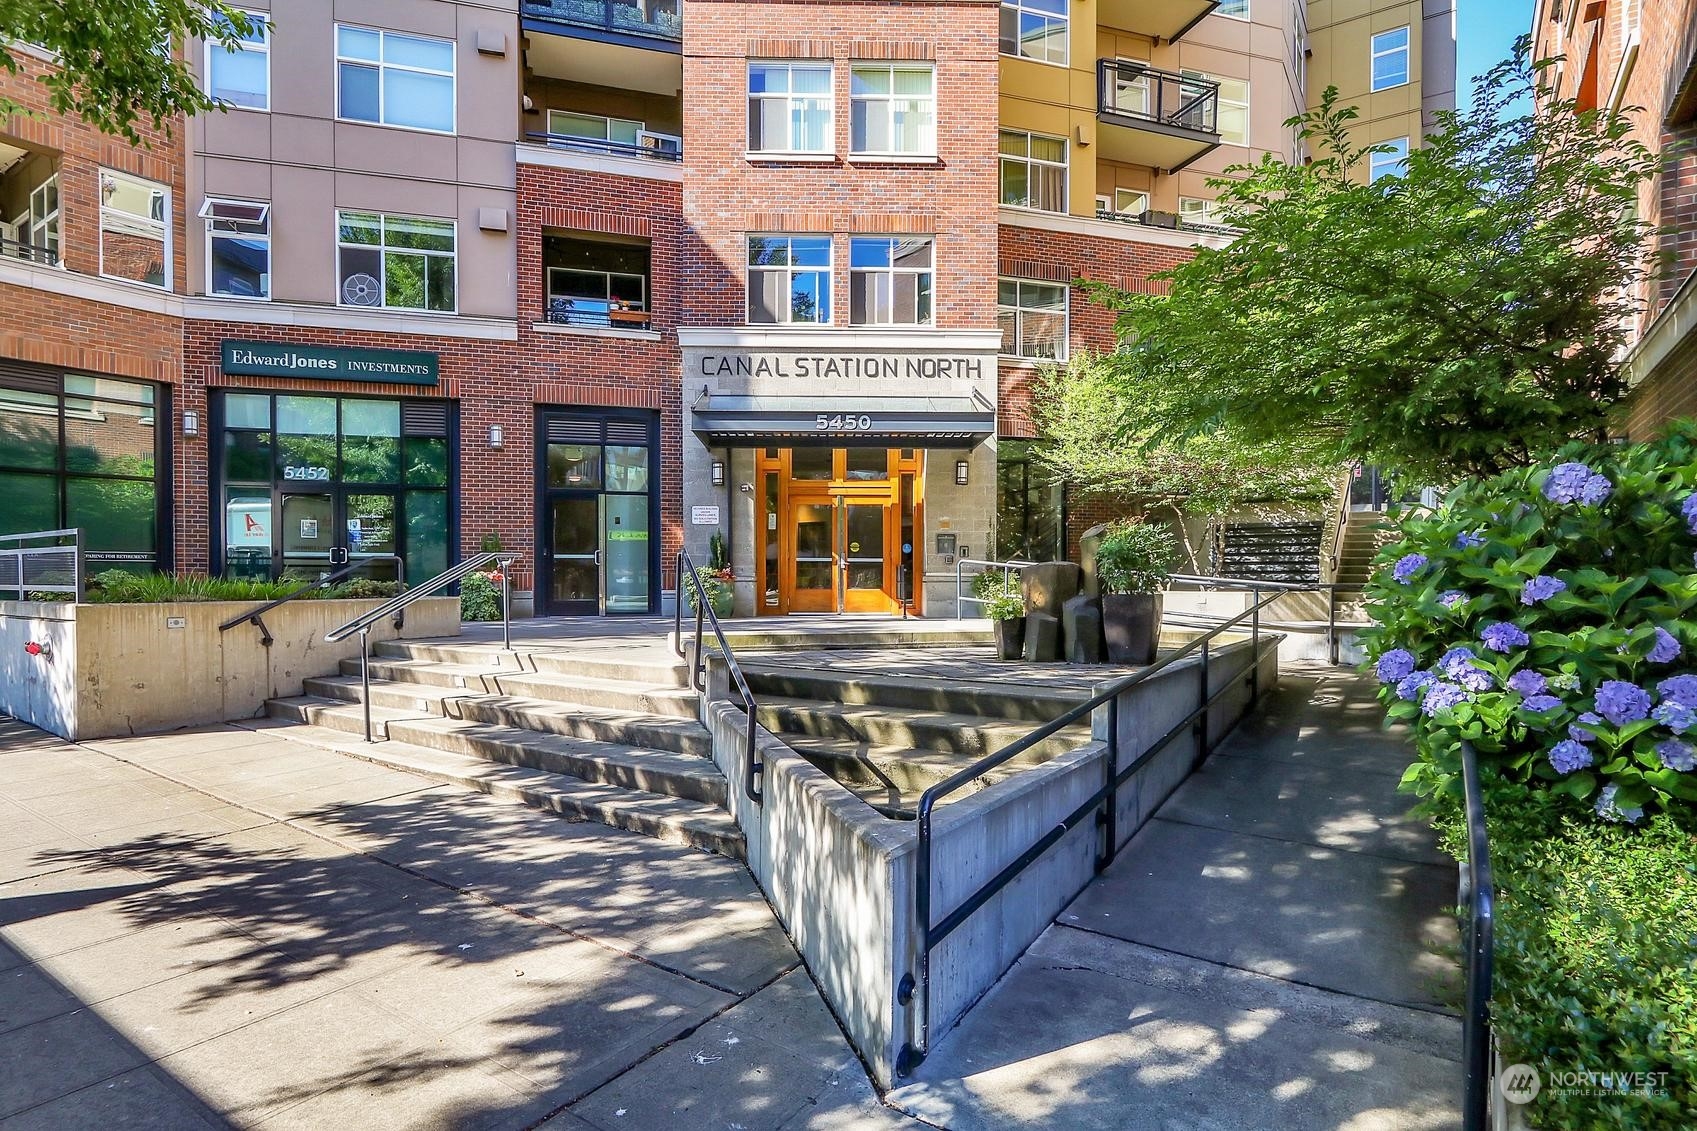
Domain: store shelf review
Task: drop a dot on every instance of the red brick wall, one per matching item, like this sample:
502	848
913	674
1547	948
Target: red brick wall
727	196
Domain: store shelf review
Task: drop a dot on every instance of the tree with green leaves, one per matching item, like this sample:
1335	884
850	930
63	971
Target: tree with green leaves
1456	319
116	62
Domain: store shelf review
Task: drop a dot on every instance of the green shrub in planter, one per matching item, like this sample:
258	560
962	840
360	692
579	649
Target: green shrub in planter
1546	615
480	598
1133	561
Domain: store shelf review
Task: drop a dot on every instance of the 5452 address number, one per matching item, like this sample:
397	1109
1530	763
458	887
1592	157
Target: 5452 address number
842	422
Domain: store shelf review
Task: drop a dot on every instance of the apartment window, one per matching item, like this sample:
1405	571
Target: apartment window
40	227
394	80
890	281
1232	117
241	75
1390	58
1236	9
789	108
597	280
1035	29
894	110
1033	318
400	262
1129	202
135	229
1391	162
789	280
238	248
1196	210
593	127
1034	171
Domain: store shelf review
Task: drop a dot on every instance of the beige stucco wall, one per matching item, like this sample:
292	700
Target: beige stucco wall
307	164
125	669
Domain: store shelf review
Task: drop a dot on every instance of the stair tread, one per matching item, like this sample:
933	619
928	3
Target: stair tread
614	752
598	683
519	702
929	718
945	762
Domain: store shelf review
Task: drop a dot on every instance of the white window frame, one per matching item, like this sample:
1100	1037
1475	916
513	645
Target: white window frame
263	47
381	65
1064	165
829	270
122	218
38	224
209	212
928	142
1222	10
893	271
1221	102
1386	164
606	119
1139	193
1064	17
789	97
1375	54
1198	210
383	259
1018	310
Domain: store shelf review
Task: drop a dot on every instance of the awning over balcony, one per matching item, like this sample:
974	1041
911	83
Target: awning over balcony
1162	19
1155	118
844	422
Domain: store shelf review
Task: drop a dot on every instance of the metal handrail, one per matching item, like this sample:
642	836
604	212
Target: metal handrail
253	616
1329	588
1007	569
29	252
1478	901
1106	797
20	553
362	623
1197	99
1343	522
704	615
603	145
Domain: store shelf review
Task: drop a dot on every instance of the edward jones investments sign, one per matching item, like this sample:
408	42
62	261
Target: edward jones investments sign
328	363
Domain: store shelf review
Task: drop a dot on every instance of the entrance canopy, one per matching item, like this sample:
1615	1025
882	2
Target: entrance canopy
723	420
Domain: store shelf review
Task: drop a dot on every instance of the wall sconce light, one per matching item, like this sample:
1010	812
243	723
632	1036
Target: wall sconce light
191	423
718	473
496	436
961	468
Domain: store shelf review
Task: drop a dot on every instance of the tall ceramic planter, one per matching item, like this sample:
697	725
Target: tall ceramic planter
1010	638
1131	624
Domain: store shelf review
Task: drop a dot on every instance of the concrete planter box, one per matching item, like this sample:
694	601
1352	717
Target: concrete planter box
130	669
840	875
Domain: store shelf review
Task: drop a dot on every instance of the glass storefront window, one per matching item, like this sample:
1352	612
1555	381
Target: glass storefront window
114	514
371	441
811	463
306	440
247	532
627	468
247	410
427	462
427	533
28	503
109	437
574	466
868	463
247	456
29	429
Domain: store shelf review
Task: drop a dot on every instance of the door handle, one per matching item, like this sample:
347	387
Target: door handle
598	557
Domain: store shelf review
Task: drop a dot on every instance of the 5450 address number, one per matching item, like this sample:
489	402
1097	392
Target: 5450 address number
842	422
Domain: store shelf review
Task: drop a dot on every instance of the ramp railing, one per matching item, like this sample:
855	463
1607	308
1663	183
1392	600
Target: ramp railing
57	566
1478	904
705	617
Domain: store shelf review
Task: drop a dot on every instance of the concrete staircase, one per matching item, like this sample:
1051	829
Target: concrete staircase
595	738
1363	537
889	738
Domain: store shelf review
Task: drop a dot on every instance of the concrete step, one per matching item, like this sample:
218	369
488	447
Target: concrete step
907	772
336	714
970	735
584	691
847	634
1022	703
651	667
670	819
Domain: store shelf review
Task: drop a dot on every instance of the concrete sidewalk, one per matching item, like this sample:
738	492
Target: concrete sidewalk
1273	950
223	928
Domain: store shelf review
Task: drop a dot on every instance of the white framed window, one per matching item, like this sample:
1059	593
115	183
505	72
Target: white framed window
1232	116
1131	87
1198	210
1035	29
135	229
240	76
1130	202
238	247
893	109
890	280
789	108
597	292
594	127
789	280
40	227
1034	171
1033	318
1391	162
1234	9
1390	58
398	262
394	80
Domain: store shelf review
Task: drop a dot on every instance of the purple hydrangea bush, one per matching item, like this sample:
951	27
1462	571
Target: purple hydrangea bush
1548	615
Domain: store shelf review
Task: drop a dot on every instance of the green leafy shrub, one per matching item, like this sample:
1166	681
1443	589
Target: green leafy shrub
1135	557
1005	606
1595	968
480	598
121	587
993	583
357	587
1545	615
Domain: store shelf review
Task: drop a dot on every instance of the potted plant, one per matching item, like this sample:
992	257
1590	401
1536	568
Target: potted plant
1007	610
1132	565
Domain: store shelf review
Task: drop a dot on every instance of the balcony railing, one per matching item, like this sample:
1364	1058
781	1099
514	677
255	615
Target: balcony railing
659	19
1132	90
28	252
654	149
1169	220
561	312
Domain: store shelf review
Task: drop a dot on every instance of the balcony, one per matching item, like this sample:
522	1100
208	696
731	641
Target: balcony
1171	221
656	24
29	204
596	281
648	146
1155	118
1160	19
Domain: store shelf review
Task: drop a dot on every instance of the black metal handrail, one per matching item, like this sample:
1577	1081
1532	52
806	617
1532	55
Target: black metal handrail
1478	903
1241	584
362	623
1169	99
254	616
656	18
602	145
29	252
705	616
1105	798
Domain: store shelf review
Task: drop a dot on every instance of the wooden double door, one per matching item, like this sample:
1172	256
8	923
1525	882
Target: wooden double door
840	529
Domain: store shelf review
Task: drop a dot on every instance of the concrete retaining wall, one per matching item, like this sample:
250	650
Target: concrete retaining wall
840	876
129	669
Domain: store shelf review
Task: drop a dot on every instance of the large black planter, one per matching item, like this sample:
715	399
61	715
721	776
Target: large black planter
1131	622
1010	638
